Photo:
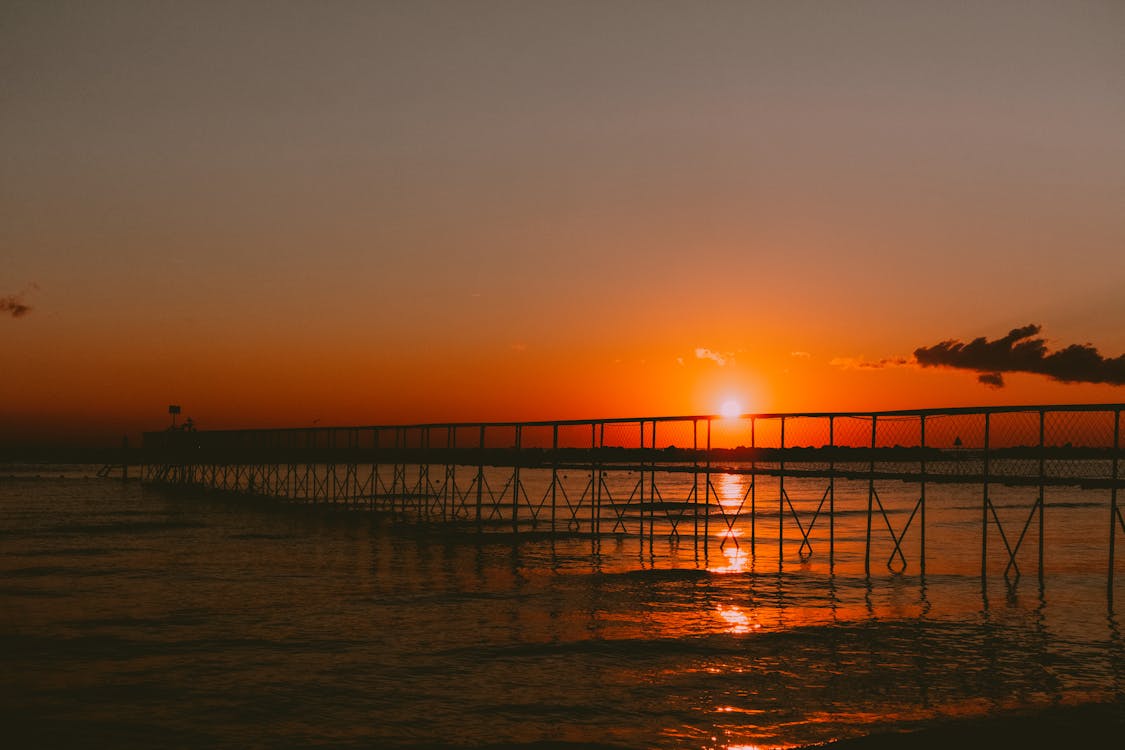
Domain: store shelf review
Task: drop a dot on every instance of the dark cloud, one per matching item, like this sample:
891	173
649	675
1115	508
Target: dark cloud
13	305
1023	351
994	379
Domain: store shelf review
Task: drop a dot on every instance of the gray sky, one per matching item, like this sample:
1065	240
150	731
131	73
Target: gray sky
612	180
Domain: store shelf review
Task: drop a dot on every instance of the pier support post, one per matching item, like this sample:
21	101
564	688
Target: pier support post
1042	487
1114	511
922	498
707	495
480	477
831	492
781	502
695	482
984	505
870	497
554	476
753	486
641	486
516	482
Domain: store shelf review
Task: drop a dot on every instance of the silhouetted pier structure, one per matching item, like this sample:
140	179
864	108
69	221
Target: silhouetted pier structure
651	477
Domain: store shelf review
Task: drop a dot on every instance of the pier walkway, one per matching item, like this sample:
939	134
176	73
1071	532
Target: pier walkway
691	477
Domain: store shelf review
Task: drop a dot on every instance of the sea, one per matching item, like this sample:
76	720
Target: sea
135	615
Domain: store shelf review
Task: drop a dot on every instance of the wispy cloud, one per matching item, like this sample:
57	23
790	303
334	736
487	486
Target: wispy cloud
14	305
800	355
1022	350
859	363
718	358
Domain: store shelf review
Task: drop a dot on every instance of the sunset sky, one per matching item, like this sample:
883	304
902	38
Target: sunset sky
282	213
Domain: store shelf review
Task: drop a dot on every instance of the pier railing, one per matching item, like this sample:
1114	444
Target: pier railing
656	475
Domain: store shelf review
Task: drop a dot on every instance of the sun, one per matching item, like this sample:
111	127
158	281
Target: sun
730	409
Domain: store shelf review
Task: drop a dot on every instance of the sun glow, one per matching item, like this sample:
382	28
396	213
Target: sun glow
730	409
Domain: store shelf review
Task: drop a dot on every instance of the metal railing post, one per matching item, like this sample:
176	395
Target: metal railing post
985	502
870	498
1114	512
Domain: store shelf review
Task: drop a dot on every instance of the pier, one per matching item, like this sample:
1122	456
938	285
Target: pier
671	477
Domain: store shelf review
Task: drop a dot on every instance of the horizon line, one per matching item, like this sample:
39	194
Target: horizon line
936	411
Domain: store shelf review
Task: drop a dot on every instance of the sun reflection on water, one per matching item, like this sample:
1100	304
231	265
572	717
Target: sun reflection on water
737	620
736	559
732	490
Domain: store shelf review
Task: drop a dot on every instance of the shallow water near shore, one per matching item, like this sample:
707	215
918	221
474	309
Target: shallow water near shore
136	616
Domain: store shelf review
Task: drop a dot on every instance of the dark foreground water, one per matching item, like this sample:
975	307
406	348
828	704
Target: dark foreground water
142	617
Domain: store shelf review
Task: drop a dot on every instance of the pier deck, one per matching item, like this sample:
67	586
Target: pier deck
658	476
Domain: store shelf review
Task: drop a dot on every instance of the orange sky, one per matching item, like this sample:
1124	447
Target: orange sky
275	214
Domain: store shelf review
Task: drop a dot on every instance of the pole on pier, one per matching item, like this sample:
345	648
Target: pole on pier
831	492
641	486
695	480
395	467
554	475
595	478
423	484
922	498
374	468
707	494
332	485
601	475
480	476
870	497
652	491
781	501
1114	513
753	487
1042	487
516	481
449	493
984	504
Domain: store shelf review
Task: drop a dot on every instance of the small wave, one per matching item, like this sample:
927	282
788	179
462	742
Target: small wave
125	528
549	745
617	648
252	535
1075	504
443	598
53	570
175	619
102	645
70	552
6	591
1030	504
533	745
665	574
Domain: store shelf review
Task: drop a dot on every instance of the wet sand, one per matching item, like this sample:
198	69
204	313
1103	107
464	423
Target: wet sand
1058	726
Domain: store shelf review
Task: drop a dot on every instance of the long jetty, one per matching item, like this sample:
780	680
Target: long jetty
651	476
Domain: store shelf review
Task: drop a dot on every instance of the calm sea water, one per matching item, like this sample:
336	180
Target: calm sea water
136	616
